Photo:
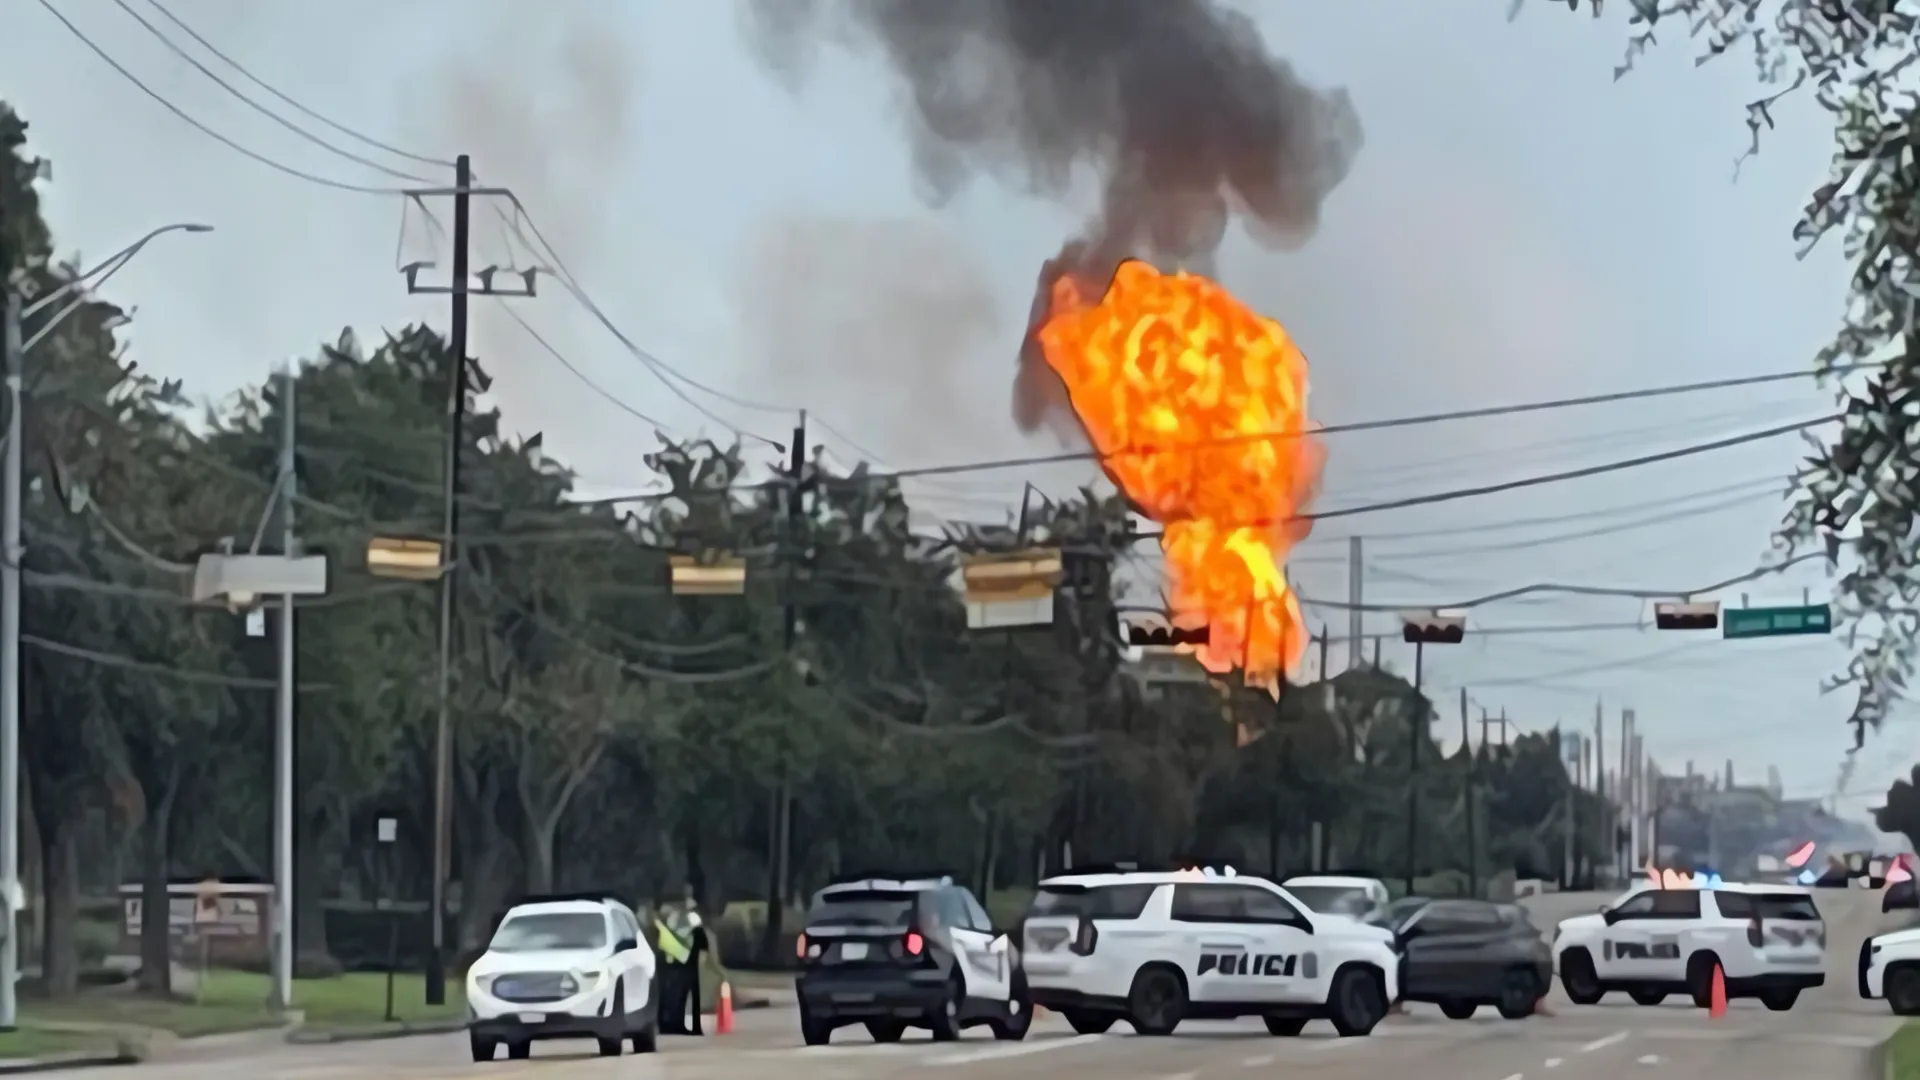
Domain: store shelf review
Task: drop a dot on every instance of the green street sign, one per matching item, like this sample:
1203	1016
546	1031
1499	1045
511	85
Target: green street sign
1775	621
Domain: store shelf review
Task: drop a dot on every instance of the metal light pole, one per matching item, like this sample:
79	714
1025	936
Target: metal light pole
12	897
283	722
1419	628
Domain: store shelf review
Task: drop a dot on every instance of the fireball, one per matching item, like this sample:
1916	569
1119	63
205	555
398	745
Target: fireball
1197	406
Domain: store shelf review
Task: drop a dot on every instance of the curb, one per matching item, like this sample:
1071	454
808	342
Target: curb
324	1036
69	1061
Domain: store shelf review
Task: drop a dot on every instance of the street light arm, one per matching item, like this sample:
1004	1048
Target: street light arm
110	264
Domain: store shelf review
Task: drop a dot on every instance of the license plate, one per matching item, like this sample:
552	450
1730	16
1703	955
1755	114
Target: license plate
533	1018
853	950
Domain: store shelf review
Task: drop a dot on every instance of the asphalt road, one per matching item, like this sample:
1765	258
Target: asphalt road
1828	1034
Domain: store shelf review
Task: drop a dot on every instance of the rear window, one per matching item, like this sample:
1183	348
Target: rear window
889	909
1098	902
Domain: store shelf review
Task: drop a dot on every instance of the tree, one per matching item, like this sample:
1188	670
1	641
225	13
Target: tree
1853	60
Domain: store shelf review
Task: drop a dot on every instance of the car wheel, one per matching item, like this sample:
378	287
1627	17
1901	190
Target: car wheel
886	1031
1903	990
945	1020
1013	1025
482	1048
1520	991
1285	1025
1458	1010
645	1042
1084	1022
1780	1000
519	1050
1647	997
814	1032
609	1047
1158	1000
1356	1001
1578	978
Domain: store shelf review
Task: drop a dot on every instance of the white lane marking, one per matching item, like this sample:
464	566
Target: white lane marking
995	1053
1338	1042
1260	1062
1650	1059
1518	1076
1554	1063
1603	1042
1180	1076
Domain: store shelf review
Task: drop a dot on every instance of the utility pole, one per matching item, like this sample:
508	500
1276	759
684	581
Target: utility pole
283	720
1562	740
10	555
1600	778
460	286
1623	797
1473	843
1419	628
790	617
1356	616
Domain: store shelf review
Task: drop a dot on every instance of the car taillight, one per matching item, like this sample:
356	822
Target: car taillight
1086	939
1754	937
915	944
800	947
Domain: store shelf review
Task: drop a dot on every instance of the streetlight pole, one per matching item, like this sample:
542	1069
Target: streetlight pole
12	897
1420	628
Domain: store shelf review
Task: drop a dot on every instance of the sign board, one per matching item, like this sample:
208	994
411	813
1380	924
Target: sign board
387	830
206	905
1776	621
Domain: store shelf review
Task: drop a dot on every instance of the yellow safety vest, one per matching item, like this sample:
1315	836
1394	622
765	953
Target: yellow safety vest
670	943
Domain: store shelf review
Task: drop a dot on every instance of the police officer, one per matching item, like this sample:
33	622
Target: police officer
682	939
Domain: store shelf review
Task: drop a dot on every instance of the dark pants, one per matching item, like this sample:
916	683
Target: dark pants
680	998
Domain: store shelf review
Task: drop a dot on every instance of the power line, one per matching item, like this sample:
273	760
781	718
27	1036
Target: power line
288	101
1536	481
254	155
1687	499
1378	425
1584	534
610	396
309	136
1576	590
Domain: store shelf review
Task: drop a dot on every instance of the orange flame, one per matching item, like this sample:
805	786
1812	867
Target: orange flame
1182	389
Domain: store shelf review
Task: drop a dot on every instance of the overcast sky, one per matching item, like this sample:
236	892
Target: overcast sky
1518	226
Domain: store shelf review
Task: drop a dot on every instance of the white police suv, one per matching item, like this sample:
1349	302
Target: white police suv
560	968
1768	941
1890	970
1156	948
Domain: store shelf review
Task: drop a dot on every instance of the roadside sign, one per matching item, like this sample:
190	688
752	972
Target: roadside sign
206	908
1776	621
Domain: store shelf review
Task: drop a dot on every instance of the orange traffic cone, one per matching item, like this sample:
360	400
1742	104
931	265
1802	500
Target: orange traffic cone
723	1016
1717	1000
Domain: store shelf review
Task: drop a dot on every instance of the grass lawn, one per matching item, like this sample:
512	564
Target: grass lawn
237	1001
31	1042
1903	1052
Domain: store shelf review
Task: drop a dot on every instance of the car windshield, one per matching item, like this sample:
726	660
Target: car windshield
886	909
1397	912
1332	899
536	931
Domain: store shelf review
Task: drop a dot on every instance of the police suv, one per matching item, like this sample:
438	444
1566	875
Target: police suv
894	953
1158	948
1890	969
560	968
1769	942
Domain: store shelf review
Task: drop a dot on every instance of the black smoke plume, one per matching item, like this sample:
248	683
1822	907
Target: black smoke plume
1178	107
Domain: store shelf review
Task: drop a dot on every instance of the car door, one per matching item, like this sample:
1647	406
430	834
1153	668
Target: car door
1284	967
1662	932
972	946
991	971
1448	950
626	963
1621	941
1217	942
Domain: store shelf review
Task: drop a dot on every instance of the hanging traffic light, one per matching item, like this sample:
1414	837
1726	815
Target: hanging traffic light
1686	616
1433	627
1158	634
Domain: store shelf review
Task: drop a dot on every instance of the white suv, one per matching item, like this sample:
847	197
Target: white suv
1158	948
563	968
1890	969
1768	941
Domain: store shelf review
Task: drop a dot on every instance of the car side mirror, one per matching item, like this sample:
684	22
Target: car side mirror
625	945
1609	915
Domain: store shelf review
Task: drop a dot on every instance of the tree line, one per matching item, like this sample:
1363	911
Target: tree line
607	733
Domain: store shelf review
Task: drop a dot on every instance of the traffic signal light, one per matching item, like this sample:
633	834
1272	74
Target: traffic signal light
1686	616
1157	634
1433	627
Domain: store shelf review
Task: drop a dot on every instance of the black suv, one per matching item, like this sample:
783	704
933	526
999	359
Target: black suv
1462	954
895	953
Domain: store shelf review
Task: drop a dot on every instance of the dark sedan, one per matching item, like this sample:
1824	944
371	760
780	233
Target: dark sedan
1462	954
